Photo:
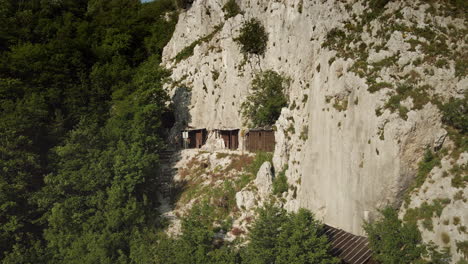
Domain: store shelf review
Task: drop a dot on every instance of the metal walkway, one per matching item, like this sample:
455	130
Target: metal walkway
351	249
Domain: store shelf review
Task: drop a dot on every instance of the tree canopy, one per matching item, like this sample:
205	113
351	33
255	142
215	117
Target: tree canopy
263	106
81	104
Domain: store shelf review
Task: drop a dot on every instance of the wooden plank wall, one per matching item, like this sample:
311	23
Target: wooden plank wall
263	140
197	138
230	138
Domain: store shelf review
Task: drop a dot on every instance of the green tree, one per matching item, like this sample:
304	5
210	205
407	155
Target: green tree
263	106
22	128
302	241
281	237
393	241
81	104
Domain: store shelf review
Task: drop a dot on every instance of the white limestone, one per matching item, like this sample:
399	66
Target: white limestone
346	164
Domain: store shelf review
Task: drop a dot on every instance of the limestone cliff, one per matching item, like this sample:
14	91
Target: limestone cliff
352	135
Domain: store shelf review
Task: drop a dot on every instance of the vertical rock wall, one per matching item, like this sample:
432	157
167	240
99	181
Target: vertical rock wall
344	161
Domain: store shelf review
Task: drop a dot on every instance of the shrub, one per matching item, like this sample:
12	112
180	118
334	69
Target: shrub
455	113
462	247
260	158
231	9
378	5
445	238
281	237
263	106
393	241
280	183
253	37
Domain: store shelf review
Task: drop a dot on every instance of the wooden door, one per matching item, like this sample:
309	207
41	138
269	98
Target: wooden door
199	139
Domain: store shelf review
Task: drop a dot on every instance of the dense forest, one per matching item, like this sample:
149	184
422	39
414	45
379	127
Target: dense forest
81	105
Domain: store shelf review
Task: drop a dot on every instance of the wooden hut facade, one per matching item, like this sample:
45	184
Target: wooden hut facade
230	138
195	138
260	139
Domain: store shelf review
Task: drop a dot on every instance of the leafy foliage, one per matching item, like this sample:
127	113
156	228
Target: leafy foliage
197	244
455	113
281	237
280	183
81	102
393	241
231	9
263	106
276	237
252	38
93	217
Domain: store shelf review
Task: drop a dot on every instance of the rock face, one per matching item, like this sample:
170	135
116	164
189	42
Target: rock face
264	180
350	154
448	226
245	199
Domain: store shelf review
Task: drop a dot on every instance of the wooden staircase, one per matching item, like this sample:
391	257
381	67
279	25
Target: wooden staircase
166	172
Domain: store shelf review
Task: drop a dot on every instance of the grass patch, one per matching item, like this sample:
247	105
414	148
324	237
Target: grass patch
460	175
188	51
341	105
425	212
304	133
260	158
378	86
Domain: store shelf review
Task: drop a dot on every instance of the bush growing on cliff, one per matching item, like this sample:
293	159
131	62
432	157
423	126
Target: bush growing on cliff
393	242
263	106
253	37
231	9
455	113
280	183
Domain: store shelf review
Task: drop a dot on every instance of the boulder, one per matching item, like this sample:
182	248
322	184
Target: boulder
245	199
264	180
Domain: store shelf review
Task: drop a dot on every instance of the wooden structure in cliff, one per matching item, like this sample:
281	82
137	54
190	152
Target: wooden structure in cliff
230	138
194	138
351	249
260	139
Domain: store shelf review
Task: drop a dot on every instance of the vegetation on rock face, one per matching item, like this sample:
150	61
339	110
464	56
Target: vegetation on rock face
394	241
455	113
188	51
263	106
429	161
252	38
280	183
231	9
